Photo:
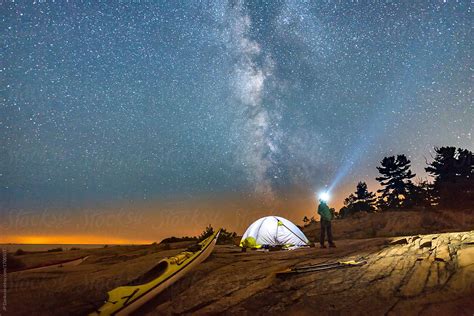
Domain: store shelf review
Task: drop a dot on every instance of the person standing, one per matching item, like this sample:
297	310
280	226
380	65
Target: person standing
326	217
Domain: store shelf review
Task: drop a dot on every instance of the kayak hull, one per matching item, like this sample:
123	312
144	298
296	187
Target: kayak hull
128	299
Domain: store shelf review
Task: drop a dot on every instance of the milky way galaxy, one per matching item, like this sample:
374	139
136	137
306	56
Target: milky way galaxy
137	101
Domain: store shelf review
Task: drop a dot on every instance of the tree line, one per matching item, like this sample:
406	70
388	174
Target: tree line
452	185
225	237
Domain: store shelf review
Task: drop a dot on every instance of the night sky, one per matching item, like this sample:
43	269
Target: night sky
140	102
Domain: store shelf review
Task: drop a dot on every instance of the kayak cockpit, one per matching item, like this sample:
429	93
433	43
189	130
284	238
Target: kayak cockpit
152	274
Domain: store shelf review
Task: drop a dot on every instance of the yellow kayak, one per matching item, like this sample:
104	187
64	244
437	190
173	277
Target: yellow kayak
127	299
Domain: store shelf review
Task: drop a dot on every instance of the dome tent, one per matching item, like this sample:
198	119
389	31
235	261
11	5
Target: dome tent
273	231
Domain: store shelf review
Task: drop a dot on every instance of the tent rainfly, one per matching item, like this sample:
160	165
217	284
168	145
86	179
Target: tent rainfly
273	231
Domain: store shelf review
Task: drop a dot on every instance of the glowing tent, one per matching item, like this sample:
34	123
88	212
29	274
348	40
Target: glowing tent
273	231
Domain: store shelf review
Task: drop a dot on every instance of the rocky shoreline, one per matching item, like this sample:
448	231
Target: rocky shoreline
411	275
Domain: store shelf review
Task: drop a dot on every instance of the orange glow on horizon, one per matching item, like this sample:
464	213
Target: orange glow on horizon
70	239
153	220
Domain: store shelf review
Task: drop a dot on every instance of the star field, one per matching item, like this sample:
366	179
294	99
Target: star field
141	100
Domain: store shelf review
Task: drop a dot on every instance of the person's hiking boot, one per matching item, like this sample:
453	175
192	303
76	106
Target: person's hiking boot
323	246
333	245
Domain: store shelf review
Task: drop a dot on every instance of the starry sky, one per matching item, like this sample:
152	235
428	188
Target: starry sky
215	108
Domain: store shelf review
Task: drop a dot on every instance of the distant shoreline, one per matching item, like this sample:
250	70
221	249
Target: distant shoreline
11	247
68	244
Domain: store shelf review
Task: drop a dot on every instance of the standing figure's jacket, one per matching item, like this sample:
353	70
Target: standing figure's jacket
324	212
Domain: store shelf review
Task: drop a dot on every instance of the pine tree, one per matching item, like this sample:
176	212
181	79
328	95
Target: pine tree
422	194
206	233
453	172
396	180
225	237
360	201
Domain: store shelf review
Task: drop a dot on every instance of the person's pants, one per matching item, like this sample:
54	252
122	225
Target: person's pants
326	228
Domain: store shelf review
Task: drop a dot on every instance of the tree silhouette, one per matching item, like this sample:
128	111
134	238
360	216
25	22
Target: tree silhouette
422	194
360	201
396	181
453	172
206	233
226	237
